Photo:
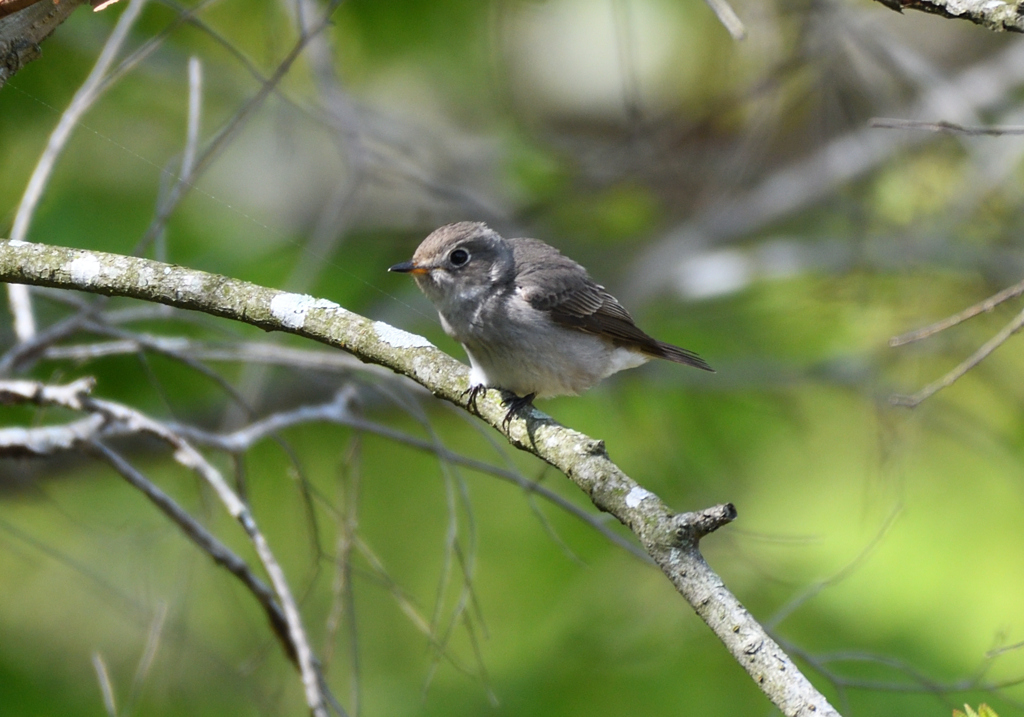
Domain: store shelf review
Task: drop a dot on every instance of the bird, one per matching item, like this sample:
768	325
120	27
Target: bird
532	321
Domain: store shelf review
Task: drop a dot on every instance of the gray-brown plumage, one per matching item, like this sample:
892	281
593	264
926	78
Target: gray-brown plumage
559	285
532	321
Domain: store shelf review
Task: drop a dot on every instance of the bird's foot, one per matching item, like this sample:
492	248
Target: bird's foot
515	405
474	393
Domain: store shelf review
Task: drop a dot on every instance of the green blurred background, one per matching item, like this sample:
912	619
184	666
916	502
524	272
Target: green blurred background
689	173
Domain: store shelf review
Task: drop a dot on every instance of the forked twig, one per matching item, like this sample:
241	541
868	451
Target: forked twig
953	376
76	396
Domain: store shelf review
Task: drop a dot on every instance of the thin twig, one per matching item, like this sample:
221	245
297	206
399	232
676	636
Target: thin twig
728	17
945	127
803	596
76	396
153	639
343	591
87	94
39	342
195	105
106	688
186	455
405	602
334	412
226	133
953	376
807	180
242	352
207	542
969	313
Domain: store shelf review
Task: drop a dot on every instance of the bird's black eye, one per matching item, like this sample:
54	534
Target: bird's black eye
458	257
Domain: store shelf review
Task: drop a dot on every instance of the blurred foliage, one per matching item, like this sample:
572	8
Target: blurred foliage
860	523
983	711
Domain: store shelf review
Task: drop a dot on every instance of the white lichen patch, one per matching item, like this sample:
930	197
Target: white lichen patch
636	496
84	269
188	284
397	338
425	370
292	309
146	276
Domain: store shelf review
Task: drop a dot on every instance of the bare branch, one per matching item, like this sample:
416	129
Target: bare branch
75	396
337	411
106	688
943	126
953	376
969	313
671	540
996	16
728	17
242	352
207	542
47	440
226	133
23	25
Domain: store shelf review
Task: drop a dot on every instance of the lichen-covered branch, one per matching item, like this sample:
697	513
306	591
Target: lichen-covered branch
995	15
670	539
23	28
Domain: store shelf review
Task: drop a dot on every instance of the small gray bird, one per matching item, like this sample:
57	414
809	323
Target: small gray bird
532	321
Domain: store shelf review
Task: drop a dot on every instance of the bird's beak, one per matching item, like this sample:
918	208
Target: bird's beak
407	267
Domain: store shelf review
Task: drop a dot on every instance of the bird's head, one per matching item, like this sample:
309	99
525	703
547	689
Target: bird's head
458	263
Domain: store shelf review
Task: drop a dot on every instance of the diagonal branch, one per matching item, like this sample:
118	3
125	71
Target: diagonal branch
983	352
670	539
75	396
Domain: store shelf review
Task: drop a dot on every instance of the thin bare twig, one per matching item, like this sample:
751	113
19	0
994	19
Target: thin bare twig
343	606
794	603
945	127
228	131
195	109
87	94
185	454
969	313
920	683
207	542
153	639
242	352
953	376
75	396
106	688
728	17
334	412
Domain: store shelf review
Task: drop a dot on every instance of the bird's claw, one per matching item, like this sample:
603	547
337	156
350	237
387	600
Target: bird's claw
474	393
515	405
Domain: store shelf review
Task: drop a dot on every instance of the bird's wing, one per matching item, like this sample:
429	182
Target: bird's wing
558	285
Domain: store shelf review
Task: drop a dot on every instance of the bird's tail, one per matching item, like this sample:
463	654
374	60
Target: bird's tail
678	355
